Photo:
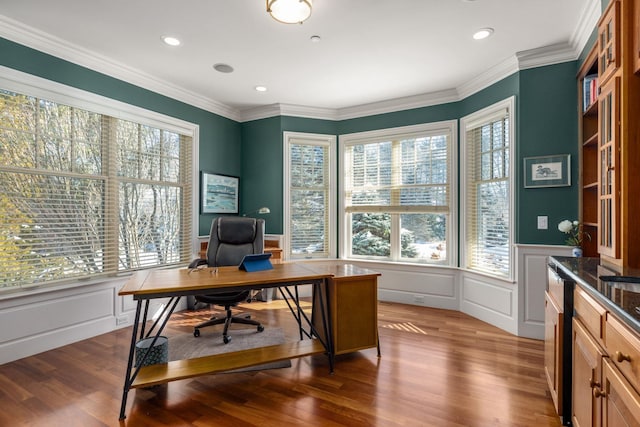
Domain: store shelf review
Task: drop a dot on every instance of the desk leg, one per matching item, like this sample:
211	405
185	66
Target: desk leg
299	313
127	378
326	319
325	314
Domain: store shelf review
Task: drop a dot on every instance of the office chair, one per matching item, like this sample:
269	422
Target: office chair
231	238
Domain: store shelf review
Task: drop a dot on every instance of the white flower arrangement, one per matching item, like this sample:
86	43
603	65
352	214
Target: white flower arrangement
574	230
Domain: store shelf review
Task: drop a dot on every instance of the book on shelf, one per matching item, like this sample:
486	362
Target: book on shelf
589	91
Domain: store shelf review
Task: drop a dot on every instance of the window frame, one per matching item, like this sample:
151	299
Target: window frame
469	122
329	141
33	86
426	129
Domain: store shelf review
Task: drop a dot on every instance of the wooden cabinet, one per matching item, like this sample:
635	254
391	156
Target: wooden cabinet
610	150
587	374
557	341
609	168
609	42
553	350
636	35
605	367
353	302
588	154
621	405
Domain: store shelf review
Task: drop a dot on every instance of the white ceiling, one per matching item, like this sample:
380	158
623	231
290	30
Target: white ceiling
371	51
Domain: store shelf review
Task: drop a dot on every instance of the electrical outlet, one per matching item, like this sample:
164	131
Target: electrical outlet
543	222
418	299
122	320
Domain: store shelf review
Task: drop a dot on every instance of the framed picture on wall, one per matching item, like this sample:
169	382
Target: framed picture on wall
547	171
218	193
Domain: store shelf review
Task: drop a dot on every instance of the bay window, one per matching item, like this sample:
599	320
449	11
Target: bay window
309	204
397	194
488	190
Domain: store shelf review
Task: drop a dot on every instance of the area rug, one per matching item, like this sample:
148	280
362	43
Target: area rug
185	346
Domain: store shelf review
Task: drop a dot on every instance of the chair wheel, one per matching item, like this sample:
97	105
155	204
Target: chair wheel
226	339
196	333
260	328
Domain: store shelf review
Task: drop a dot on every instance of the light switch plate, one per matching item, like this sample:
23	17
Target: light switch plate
543	222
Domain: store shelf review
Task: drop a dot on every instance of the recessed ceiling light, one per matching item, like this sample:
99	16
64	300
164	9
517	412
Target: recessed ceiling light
223	68
483	33
261	88
315	39
171	41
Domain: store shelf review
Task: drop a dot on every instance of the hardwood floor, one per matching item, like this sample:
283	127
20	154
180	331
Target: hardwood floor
438	368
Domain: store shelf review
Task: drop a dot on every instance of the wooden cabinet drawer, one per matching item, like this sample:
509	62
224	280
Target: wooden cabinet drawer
590	313
623	346
556	287
621	405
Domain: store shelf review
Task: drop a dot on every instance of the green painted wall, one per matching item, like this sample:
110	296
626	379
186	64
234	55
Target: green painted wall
436	113
262	159
220	147
546	119
547	125
262	163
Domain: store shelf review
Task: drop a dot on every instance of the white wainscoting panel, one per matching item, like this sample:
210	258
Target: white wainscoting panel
532	279
418	285
490	300
48	318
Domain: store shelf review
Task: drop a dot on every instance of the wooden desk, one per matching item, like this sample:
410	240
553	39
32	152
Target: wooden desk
276	252
352	301
175	283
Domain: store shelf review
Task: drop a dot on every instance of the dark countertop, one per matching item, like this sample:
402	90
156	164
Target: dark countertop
621	299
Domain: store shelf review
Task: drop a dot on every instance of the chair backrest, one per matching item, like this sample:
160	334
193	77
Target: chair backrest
232	238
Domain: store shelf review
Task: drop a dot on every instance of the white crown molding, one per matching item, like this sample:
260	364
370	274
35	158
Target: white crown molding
272	110
39	40
262	112
547	55
489	77
398	104
586	24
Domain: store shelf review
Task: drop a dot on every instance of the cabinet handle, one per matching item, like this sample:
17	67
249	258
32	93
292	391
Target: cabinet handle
621	357
598	393
593	383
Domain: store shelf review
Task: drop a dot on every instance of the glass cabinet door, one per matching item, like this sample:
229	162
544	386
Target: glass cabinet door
608	45
609	169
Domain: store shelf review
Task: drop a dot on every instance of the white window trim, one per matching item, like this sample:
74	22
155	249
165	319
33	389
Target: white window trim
20	82
470	121
450	126
319	139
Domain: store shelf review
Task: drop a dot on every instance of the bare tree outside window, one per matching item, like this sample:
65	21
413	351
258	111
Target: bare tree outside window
84	194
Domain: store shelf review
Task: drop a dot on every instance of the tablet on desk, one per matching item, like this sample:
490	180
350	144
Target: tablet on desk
256	262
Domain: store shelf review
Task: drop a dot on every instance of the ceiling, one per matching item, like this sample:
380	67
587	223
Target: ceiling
371	51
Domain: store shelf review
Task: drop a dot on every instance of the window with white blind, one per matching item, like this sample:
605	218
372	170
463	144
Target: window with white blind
488	190
398	193
86	194
309	204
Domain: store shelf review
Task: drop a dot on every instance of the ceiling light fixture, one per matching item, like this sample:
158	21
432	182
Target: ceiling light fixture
483	33
261	88
171	41
289	11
